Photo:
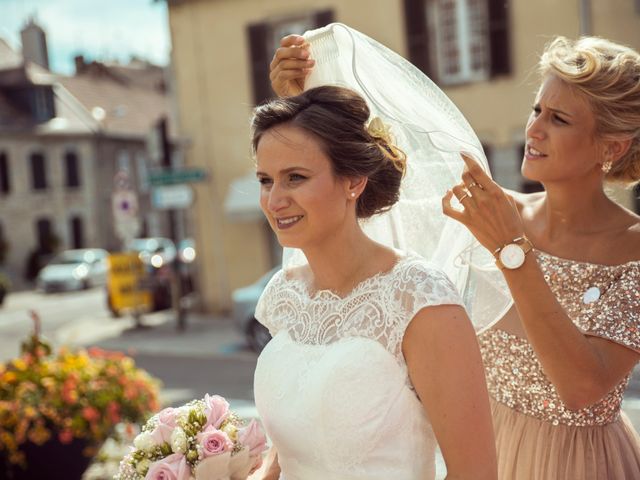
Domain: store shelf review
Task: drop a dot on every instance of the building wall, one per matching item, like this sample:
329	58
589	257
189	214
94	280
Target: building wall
91	201
211	58
23	206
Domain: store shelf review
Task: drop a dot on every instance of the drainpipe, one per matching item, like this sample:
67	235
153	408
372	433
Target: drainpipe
585	18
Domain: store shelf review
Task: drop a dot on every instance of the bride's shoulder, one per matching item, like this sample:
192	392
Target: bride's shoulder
417	269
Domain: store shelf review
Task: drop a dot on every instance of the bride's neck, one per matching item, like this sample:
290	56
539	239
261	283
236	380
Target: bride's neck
338	263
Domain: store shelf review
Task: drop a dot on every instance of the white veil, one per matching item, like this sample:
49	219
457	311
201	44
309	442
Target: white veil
430	129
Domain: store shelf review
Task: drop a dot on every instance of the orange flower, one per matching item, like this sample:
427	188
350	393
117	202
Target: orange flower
65	436
90	414
113	412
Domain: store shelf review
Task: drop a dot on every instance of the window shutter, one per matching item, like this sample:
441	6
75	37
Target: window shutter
323	17
259	62
415	16
499	37
5	184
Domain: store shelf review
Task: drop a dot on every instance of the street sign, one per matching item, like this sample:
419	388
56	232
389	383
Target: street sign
125	208
177	175
126	272
172	197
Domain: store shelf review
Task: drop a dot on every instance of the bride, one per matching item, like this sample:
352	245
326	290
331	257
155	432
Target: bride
373	360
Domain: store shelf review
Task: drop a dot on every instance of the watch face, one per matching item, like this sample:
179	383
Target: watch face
512	256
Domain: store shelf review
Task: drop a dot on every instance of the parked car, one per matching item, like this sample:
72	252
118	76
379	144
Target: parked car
244	301
74	270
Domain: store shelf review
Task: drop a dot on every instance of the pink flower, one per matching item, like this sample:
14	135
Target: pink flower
172	467
216	409
168	417
214	442
253	438
161	434
167	422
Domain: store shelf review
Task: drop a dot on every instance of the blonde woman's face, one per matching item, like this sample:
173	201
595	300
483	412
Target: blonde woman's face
560	136
303	200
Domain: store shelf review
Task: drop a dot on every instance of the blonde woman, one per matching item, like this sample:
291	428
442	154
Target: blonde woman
557	365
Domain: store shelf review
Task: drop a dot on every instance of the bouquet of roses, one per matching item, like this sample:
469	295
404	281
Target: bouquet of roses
202	439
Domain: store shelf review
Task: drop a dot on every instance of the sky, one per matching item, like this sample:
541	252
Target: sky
105	30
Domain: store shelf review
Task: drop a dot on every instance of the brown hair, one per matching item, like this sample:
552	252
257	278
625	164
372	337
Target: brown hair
608	76
338	117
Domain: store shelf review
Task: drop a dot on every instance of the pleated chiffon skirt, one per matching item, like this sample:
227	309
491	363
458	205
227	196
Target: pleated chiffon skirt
530	449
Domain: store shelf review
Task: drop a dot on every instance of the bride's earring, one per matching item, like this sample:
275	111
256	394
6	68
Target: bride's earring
606	166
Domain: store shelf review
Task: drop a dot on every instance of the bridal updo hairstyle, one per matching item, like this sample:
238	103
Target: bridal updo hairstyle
608	76
338	118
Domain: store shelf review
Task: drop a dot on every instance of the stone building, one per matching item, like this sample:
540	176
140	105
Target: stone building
62	139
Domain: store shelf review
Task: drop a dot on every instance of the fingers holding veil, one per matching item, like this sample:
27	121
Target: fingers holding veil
290	65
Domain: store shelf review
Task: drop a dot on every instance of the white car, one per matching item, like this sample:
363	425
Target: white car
74	270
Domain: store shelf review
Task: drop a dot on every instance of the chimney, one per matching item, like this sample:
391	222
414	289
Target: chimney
34	44
80	64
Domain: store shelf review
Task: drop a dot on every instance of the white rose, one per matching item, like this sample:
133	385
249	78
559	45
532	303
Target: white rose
143	466
178	440
144	441
183	415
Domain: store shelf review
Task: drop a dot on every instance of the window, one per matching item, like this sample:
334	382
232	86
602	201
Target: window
461	43
72	169
38	171
457	41
45	235
123	160
5	185
77	232
264	39
42	104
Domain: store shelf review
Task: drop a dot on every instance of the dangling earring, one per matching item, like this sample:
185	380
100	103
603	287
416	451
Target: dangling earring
606	166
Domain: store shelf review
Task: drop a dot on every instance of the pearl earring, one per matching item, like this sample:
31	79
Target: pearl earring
353	194
606	166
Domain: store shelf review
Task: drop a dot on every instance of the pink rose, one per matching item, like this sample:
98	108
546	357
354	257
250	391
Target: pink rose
214	442
162	434
253	438
167	421
173	467
168	417
216	409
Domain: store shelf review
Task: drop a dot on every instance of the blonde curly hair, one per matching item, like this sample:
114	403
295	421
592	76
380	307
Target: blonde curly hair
608	76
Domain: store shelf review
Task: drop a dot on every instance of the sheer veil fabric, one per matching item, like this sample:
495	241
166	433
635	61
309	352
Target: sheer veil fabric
433	133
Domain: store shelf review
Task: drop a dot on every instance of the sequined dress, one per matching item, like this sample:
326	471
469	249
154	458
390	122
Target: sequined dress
537	436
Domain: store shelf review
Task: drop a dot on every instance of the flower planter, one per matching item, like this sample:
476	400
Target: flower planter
52	459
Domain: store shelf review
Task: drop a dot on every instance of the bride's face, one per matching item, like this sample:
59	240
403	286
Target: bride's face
303	200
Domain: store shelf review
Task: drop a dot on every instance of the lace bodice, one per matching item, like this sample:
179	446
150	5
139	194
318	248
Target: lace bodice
332	387
379	308
602	301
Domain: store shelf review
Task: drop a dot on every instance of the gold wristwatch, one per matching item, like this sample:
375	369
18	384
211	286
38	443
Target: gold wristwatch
512	255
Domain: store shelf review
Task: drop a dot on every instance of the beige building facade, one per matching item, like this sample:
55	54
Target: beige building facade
482	53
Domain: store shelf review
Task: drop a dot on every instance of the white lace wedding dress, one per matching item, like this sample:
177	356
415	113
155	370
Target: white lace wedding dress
332	386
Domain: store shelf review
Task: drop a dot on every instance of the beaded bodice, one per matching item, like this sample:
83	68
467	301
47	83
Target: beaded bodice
602	301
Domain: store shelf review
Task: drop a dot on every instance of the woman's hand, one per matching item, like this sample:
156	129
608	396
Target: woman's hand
488	212
290	66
